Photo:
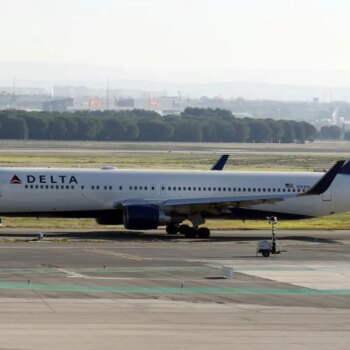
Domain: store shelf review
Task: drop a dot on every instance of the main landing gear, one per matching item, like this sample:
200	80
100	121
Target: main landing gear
188	231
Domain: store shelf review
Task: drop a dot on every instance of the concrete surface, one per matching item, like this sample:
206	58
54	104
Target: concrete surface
155	291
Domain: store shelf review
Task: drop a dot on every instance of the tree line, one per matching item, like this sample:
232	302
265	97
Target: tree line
193	125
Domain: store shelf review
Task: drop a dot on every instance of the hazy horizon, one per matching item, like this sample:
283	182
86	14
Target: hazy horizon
286	42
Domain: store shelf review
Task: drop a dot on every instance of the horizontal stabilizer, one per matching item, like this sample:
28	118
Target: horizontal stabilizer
219	165
323	184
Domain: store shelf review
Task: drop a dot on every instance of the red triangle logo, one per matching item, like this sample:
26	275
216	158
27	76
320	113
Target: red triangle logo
15	180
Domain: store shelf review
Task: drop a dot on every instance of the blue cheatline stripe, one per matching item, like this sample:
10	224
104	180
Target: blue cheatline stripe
167	290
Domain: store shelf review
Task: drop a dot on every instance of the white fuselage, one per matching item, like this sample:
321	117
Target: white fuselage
39	191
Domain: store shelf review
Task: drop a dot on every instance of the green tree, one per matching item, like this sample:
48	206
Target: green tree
288	132
225	131
259	131
330	132
14	128
37	127
57	129
188	131
242	131
155	131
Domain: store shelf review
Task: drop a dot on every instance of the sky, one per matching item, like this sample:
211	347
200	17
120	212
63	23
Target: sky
288	41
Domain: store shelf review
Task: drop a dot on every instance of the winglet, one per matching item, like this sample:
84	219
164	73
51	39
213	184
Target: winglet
346	168
219	165
323	184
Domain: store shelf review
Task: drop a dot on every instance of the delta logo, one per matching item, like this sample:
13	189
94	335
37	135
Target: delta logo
15	180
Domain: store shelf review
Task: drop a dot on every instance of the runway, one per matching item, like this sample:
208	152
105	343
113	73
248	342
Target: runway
80	290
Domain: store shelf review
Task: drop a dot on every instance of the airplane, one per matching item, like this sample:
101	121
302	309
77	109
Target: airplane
148	199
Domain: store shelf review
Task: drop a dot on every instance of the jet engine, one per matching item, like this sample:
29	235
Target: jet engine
144	217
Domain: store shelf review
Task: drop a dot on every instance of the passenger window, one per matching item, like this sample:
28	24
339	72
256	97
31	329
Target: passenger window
120	188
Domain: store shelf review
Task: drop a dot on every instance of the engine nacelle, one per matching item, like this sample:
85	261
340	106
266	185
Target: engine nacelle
144	217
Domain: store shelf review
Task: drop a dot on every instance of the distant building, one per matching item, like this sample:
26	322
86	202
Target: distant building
60	105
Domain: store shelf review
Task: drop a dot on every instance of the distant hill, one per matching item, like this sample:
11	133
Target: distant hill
43	74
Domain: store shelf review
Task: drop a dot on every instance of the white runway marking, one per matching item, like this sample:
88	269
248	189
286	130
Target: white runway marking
120	255
71	273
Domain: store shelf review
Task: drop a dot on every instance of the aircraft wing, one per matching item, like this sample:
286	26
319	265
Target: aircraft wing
252	199
197	204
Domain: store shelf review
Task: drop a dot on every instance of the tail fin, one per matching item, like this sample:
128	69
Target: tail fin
326	180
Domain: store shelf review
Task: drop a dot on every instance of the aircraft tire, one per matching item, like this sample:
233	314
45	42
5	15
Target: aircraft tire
172	229
187	231
203	232
265	253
